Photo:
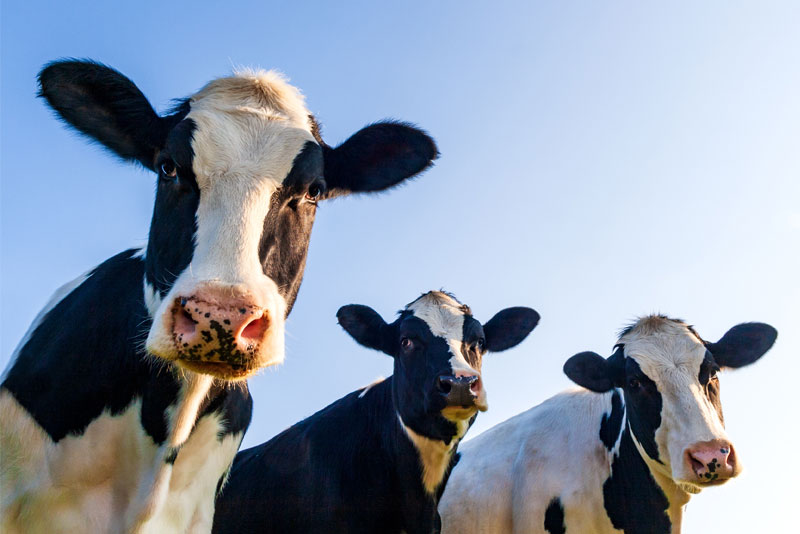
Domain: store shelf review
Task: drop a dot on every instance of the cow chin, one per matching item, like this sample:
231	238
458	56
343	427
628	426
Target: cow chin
459	413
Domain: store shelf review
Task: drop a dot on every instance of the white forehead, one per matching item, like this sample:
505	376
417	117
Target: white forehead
251	124
659	345
443	314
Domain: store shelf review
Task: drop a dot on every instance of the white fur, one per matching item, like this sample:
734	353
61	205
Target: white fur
434	456
112	478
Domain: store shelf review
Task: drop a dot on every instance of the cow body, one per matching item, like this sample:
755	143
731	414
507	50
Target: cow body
124	405
377	460
624	457
92	428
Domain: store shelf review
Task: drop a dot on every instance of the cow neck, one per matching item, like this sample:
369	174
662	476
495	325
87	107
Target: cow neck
434	456
153	489
640	499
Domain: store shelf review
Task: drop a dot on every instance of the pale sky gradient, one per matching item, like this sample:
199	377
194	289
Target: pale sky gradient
599	161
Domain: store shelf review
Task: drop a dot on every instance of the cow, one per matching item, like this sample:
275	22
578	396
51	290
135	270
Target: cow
622	455
376	460
126	401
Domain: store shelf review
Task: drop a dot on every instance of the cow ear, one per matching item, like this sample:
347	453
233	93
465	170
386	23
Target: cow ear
366	326
743	344
590	370
509	327
377	157
106	106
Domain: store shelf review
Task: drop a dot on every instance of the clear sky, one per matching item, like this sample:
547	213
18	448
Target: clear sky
599	161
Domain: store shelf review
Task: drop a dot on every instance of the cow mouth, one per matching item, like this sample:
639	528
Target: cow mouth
222	370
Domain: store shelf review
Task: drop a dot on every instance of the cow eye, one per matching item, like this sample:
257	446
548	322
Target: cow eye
314	191
168	169
481	344
406	344
634	383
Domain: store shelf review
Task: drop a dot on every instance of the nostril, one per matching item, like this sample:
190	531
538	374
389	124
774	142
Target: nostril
254	329
697	466
476	385
184	323
444	384
731	459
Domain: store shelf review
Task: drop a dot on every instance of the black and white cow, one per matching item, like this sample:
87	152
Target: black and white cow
625	454
121	411
377	459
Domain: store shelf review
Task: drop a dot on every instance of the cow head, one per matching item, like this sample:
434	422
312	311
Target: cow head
241	168
668	377
438	347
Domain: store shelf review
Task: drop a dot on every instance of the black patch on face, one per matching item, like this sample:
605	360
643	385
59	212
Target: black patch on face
611	424
415	375
710	383
633	500
287	228
473	342
554	517
643	404
174	224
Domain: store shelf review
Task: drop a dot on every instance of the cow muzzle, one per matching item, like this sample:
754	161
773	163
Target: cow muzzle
463	394
711	462
220	331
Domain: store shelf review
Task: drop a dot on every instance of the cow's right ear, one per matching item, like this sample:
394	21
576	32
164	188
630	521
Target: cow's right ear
590	370
366	326
106	106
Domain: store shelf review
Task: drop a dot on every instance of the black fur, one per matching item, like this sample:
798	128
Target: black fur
611	423
349	468
633	500
554	517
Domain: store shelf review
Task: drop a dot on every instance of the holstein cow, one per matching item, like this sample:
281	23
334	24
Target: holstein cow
119	411
376	460
625	455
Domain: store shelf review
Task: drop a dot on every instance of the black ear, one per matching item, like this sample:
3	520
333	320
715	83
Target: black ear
365	326
743	344
509	327
377	157
590	370
106	106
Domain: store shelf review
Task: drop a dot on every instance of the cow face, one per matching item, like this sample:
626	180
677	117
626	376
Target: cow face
438	349
241	168
668	377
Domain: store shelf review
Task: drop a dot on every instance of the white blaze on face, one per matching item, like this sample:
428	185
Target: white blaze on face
671	355
248	130
445	317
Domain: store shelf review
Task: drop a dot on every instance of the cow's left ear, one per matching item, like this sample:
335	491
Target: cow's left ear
743	344
376	158
509	327
366	326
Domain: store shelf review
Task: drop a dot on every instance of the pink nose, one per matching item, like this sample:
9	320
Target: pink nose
474	380
712	460
209	328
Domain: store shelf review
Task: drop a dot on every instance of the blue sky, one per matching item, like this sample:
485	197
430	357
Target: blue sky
599	162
